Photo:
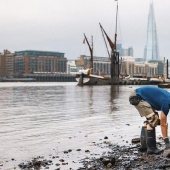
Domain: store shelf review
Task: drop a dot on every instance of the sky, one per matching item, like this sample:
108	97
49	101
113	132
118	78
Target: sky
59	25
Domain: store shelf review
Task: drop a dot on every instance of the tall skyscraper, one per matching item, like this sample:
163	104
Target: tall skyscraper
151	51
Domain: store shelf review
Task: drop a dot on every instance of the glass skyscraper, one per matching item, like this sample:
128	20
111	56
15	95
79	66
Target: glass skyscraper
151	51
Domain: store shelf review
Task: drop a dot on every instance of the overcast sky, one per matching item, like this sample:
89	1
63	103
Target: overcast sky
58	25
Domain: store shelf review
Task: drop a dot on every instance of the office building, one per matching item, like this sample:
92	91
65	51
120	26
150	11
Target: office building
142	69
30	61
127	65
128	51
151	51
161	67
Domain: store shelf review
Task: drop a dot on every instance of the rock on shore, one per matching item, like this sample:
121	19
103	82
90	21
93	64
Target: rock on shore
126	158
117	158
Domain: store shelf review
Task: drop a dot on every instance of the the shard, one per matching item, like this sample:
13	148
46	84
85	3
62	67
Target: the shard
151	51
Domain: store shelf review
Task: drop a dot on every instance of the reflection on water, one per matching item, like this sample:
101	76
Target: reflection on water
38	118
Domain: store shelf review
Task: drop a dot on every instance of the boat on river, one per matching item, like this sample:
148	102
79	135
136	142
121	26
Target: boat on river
159	79
84	77
135	80
87	77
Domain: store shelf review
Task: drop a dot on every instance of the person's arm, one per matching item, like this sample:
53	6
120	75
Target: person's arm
164	130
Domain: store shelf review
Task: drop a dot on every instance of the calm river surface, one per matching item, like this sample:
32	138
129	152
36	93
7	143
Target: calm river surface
45	119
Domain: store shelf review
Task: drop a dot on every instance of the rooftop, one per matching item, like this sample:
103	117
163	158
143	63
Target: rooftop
38	53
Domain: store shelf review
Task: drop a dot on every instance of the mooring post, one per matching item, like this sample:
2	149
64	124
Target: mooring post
167	75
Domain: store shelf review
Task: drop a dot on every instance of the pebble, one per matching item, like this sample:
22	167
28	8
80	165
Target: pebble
118	158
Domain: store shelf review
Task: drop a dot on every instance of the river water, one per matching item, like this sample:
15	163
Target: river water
45	119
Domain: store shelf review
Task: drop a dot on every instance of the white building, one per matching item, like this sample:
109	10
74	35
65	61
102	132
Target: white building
71	67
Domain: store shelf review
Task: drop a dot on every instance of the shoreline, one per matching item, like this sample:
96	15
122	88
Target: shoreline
113	156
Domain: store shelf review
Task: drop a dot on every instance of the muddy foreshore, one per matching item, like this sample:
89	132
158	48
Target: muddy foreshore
115	157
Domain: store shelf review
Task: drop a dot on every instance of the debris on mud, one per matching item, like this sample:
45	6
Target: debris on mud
35	163
126	158
115	157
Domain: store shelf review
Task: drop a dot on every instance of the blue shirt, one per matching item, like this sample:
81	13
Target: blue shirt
158	98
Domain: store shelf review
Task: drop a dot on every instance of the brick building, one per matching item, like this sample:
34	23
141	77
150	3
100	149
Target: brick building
6	64
30	61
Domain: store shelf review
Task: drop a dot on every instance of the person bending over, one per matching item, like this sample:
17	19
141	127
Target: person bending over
148	100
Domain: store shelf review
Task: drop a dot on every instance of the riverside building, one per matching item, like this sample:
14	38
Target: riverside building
30	61
6	64
144	69
71	67
127	65
162	67
101	65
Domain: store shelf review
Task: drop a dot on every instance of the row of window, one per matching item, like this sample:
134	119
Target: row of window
38	53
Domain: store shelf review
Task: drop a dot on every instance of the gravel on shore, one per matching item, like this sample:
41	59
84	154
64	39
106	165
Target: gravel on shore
114	158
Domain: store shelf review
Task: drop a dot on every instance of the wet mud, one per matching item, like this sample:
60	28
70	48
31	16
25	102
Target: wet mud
114	157
127	158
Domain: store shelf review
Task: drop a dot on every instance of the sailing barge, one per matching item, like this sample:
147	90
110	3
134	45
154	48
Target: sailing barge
86	77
